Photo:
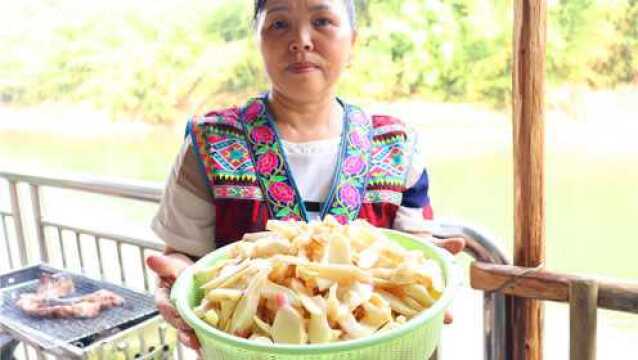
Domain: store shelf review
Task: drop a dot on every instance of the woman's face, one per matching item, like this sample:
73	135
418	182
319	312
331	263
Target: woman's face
305	45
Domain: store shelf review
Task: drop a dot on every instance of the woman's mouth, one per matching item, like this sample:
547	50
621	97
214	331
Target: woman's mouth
302	67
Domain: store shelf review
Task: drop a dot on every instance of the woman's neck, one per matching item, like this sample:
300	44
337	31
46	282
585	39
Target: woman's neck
306	121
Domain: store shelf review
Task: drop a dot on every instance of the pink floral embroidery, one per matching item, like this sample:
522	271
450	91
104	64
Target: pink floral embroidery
342	219
281	192
263	135
353	165
383	120
350	196
267	163
359	141
230	117
291	217
254	111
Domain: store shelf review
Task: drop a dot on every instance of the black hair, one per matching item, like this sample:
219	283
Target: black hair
352	15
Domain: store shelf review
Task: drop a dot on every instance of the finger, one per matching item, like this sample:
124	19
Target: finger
189	339
172	317
168	311
453	245
448	318
168	266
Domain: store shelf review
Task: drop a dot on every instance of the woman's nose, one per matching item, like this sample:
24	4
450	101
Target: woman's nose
303	41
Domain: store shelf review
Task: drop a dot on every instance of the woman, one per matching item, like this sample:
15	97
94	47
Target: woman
297	152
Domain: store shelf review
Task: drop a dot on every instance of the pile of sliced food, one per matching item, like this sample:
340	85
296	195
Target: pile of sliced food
315	283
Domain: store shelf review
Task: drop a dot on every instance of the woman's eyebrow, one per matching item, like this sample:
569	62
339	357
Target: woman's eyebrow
320	7
277	8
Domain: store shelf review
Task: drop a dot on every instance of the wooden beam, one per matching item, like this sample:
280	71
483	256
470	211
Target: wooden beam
528	98
583	300
542	285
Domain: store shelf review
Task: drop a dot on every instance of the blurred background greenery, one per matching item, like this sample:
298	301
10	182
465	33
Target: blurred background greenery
160	60
104	88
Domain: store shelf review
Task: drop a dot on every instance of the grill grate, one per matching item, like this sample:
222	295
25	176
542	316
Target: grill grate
79	332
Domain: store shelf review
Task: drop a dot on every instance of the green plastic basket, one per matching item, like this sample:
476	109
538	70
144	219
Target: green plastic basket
417	339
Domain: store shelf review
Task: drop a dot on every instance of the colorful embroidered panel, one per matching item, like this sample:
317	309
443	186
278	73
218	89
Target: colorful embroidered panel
277	185
220	144
347	196
383	196
237	192
243	159
389	162
231	156
281	193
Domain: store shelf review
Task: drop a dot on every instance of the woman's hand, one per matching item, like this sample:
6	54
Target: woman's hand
167	268
454	245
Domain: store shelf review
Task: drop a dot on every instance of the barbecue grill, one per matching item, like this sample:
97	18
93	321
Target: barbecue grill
130	331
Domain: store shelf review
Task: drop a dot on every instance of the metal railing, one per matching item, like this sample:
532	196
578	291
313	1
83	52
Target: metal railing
479	245
124	190
47	232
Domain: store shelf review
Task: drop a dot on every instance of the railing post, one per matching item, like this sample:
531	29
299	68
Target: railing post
17	222
494	325
529	134
37	218
583	302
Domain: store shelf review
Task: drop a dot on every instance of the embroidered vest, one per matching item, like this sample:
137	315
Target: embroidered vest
240	153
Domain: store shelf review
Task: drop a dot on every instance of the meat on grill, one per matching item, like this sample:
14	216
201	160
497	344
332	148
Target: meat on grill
47	301
52	287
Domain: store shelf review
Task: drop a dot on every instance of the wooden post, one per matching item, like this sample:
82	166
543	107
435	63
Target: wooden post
583	300
528	98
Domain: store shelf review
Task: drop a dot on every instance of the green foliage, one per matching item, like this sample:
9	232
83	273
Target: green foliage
230	21
450	50
160	60
621	63
593	42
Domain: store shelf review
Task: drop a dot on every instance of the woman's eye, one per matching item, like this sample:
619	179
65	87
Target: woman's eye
321	22
279	24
